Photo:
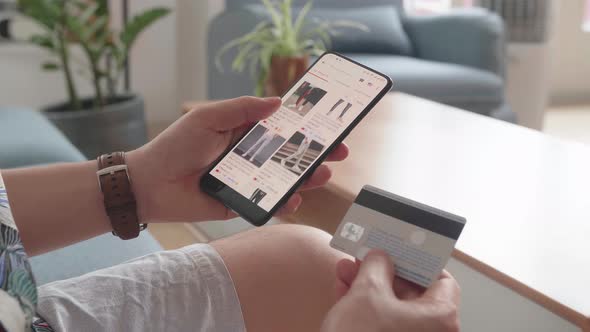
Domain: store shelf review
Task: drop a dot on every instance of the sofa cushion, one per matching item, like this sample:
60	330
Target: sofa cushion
460	86
472	37
91	255
27	138
386	33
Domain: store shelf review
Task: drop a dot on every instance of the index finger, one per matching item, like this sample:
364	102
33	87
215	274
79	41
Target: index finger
233	113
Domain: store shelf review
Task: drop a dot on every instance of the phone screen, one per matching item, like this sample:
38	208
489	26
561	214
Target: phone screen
271	158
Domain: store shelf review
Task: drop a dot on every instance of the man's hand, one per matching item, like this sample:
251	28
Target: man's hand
372	300
166	172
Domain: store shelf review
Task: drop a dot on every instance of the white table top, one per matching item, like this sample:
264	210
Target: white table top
526	195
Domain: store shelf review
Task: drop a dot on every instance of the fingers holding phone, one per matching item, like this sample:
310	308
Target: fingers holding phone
284	152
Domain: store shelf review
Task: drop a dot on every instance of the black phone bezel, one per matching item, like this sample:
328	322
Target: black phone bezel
253	213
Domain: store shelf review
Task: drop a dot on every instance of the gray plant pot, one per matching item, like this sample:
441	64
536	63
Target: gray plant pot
119	126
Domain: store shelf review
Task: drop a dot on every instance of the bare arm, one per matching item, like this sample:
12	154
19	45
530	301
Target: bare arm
57	205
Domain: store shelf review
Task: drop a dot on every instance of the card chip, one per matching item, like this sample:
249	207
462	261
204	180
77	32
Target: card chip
352	232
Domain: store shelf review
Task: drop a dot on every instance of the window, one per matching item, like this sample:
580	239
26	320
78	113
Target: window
421	7
586	23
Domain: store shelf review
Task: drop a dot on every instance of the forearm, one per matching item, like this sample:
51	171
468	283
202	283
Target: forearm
57	205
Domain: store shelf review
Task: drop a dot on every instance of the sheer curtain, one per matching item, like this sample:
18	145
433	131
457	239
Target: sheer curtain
586	23
434	6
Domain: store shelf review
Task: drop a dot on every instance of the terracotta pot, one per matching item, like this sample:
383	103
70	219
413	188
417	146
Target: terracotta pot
284	71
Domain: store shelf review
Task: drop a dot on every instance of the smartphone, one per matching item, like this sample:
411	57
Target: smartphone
262	170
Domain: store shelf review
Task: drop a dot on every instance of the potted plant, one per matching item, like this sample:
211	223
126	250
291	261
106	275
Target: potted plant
278	50
78	37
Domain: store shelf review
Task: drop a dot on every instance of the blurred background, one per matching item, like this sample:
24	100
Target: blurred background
79	78
547	64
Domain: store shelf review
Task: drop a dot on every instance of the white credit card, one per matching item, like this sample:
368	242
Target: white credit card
419	238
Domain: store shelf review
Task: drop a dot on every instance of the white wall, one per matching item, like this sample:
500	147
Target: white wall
193	21
23	83
193	17
153	69
215	7
570	53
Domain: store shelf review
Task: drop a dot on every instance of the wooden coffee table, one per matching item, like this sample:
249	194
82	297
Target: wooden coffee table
526	197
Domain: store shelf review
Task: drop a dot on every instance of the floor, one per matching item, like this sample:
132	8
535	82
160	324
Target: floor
177	235
567	122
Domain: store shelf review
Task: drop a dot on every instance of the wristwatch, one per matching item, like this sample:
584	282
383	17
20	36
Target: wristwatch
119	199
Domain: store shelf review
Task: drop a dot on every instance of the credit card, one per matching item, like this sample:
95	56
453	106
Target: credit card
418	237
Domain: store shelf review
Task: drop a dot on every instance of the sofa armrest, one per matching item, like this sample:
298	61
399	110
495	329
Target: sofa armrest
228	25
472	37
28	138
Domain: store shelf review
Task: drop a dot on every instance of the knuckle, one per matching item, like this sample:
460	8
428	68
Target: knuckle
370	283
369	301
246	99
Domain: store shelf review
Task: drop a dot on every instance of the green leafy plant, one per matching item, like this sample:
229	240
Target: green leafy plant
85	23
284	35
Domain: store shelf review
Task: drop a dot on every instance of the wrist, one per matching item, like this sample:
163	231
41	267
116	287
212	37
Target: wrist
139	183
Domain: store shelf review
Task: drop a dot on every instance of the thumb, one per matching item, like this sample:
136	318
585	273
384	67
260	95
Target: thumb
376	272
445	288
233	113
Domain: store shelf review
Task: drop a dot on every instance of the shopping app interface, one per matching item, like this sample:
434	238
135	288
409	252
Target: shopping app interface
270	159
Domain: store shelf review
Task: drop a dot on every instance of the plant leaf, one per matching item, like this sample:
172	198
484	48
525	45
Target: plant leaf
44	41
260	83
261	29
274	13
320	33
88	12
75	27
301	17
140	22
46	13
90	31
50	66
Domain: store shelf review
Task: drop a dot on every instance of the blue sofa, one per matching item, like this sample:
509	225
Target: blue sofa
456	58
27	138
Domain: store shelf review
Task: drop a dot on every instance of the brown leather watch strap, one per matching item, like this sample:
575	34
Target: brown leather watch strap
119	200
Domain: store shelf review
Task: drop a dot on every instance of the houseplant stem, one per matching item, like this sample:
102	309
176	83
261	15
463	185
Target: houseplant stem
65	63
99	101
105	121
